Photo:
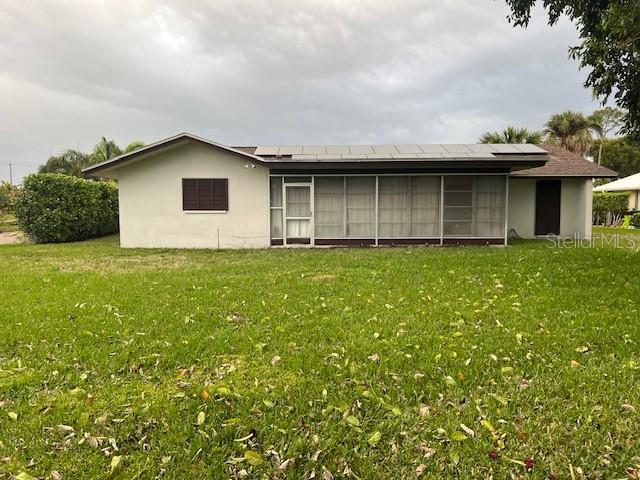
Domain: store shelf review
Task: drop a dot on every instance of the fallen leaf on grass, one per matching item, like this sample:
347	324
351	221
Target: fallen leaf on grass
201	418
13	415
24	476
574	364
253	458
627	408
276	360
458	436
374	439
115	462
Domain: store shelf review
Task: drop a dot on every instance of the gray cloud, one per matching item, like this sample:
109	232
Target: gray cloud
278	71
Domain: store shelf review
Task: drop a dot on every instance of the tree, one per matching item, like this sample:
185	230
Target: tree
571	130
71	162
135	145
105	150
619	154
513	135
610	44
605	121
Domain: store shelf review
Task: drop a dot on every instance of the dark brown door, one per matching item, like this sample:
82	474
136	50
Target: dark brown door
548	207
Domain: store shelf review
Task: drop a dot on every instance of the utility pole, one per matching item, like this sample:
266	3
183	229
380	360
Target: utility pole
10	175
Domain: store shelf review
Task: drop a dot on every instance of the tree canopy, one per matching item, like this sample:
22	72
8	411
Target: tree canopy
513	135
570	130
619	154
72	162
610	47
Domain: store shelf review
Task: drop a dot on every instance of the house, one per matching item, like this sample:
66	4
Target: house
190	192
629	184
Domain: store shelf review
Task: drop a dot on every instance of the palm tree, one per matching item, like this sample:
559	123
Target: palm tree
513	135
71	162
603	122
135	145
570	130
105	150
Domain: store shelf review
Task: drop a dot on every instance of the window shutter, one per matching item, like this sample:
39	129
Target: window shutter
189	194
220	194
205	194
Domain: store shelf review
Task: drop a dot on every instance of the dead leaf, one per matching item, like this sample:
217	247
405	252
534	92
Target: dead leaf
276	360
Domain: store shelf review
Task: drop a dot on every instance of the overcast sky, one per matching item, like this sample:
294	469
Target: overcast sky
273	72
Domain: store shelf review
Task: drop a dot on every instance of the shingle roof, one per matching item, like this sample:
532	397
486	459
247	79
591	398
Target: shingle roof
563	163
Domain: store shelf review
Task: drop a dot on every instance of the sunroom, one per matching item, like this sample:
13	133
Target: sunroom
388	209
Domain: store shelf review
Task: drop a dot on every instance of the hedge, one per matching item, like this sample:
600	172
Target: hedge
56	208
609	208
635	220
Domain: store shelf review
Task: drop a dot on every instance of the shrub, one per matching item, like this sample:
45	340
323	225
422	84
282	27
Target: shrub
8	193
609	208
635	220
57	208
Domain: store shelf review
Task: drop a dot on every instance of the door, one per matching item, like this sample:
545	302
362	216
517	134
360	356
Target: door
548	207
297	214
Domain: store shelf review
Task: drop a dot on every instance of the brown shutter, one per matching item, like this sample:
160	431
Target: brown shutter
220	194
205	194
189	194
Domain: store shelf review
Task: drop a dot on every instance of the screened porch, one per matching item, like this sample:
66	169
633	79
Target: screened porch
388	209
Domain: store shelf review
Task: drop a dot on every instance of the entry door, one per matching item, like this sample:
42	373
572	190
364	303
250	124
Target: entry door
548	207
297	214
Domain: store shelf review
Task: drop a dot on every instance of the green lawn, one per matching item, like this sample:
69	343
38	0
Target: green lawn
619	231
345	363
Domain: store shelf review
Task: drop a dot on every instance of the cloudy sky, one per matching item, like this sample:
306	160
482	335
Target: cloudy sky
273	72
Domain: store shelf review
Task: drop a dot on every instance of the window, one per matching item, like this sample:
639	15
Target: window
409	206
474	206
276	207
329	207
205	194
458	205
361	207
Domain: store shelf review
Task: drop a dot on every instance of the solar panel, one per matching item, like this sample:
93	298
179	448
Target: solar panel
456	148
505	148
481	148
314	149
530	148
430	154
267	150
426	148
384	149
290	150
408	149
360	149
337	150
303	157
404	155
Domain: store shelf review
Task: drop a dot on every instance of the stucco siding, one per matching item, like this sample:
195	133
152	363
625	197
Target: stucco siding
151	212
575	207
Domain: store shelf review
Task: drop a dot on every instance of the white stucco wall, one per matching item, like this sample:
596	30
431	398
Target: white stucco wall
575	207
151	214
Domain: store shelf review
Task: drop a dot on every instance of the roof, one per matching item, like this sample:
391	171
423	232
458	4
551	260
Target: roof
631	182
160	145
386	152
563	163
526	160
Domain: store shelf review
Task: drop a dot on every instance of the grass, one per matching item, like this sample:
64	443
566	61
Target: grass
617	230
8	223
517	362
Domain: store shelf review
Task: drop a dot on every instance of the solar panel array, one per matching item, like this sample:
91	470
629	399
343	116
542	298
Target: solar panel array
385	152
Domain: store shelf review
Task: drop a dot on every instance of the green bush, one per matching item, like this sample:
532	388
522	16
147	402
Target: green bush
635	220
609	208
8	193
57	208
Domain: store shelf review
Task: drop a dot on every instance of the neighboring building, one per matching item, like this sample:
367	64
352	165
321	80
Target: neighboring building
629	184
189	192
